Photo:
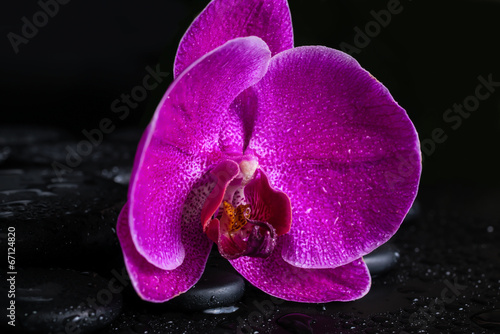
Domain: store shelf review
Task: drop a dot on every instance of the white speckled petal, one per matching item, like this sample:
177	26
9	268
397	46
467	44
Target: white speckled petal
333	139
184	142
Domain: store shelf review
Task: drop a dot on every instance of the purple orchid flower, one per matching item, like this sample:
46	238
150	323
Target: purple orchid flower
293	160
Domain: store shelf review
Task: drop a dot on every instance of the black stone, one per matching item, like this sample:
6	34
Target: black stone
129	135
488	319
21	135
63	301
4	153
415	211
111	160
216	288
14	139
107	155
118	174
108	159
382	259
68	222
41	153
296	323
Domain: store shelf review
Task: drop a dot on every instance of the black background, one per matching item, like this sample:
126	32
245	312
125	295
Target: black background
430	56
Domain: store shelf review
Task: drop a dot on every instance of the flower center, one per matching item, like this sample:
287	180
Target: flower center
237	216
243	214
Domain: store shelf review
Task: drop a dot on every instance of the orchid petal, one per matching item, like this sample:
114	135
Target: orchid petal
280	279
223	20
152	283
138	154
244	108
332	138
224	173
183	144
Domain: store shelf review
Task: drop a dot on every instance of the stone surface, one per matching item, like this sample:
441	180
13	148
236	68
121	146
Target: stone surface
216	288
14	139
382	259
128	135
415	211
489	319
109	156
108	159
296	323
63	301
68	222
23	135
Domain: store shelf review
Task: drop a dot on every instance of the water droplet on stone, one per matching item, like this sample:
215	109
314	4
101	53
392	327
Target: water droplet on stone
74	319
221	310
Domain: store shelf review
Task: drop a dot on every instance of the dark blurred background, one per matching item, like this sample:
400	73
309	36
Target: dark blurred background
430	56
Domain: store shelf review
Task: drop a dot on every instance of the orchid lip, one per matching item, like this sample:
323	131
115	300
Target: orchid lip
240	236
243	214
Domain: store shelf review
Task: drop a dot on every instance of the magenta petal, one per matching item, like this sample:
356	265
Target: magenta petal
155	284
278	278
183	143
332	138
138	154
223	20
194	111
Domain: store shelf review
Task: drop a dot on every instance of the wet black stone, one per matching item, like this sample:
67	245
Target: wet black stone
118	174
21	135
68	222
108	159
296	323
415	211
43	153
14	139
109	154
4	153
63	301
380	319
382	259
130	135
488	319
216	288
118	170
106	155
226	327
